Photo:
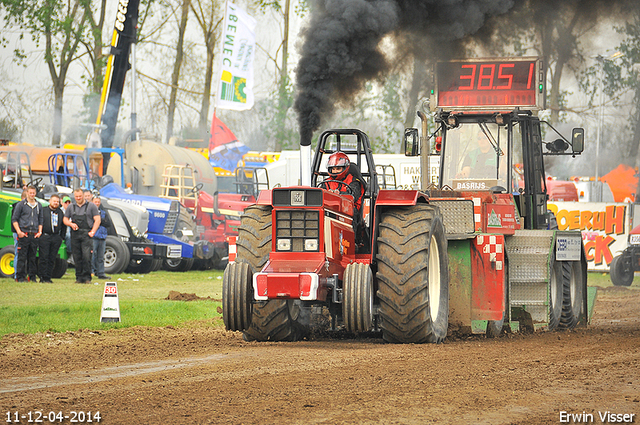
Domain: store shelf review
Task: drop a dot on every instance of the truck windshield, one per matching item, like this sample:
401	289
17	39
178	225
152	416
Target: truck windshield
475	156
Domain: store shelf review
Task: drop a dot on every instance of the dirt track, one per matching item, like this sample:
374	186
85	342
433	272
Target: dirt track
205	375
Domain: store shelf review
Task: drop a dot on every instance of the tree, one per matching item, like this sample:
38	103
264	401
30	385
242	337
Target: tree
62	24
280	127
175	76
206	14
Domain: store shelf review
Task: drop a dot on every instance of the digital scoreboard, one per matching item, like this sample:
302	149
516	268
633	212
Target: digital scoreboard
490	84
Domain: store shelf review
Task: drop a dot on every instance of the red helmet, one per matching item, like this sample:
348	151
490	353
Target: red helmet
338	159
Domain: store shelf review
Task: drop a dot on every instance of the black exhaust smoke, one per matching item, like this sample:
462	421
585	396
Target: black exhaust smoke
341	49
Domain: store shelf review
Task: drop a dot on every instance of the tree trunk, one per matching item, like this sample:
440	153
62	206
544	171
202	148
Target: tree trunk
175	77
208	76
283	96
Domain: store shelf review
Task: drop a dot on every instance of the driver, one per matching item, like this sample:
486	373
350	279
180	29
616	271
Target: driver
341	170
481	161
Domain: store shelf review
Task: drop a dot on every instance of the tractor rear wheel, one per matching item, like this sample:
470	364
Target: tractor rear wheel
558	281
620	272
273	320
236	296
413	275
573	300
357	298
254	236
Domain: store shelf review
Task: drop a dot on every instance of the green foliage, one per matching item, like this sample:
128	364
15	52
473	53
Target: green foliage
8	130
280	125
300	7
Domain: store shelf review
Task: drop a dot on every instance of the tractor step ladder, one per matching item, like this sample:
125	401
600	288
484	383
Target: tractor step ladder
529	254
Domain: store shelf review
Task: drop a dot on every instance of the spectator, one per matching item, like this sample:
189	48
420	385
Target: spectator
53	231
99	240
15	235
27	221
84	219
88	196
66	201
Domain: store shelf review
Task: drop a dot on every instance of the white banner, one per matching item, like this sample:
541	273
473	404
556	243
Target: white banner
235	86
605	228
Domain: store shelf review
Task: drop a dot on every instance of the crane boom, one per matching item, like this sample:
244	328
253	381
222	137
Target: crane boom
124	35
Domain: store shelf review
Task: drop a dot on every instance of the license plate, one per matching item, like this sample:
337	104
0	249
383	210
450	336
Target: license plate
174	251
634	239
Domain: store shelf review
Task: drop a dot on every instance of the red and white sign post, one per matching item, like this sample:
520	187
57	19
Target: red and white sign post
110	311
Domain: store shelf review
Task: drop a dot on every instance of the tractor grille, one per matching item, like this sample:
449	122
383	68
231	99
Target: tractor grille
296	230
170	224
457	215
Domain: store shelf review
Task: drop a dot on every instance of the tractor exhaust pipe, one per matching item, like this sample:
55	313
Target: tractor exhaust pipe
305	161
424	156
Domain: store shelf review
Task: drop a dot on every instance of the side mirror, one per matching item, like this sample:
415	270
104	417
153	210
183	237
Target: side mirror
411	141
577	140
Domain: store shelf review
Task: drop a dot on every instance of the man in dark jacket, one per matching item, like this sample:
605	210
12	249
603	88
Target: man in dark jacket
84	219
27	221
100	240
53	231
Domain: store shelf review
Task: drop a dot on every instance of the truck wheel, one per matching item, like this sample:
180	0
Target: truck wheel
116	255
558	281
142	266
59	268
413	275
236	296
620	271
7	257
357	298
178	264
273	320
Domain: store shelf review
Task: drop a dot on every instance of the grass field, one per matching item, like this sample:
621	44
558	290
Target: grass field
67	306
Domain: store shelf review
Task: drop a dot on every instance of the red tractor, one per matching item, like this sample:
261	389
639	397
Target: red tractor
216	216
297	250
477	253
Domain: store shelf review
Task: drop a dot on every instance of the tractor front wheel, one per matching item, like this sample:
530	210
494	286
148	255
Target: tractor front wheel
236	296
413	275
116	255
357	298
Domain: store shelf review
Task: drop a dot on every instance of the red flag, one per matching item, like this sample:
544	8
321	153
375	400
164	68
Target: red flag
224	148
220	134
